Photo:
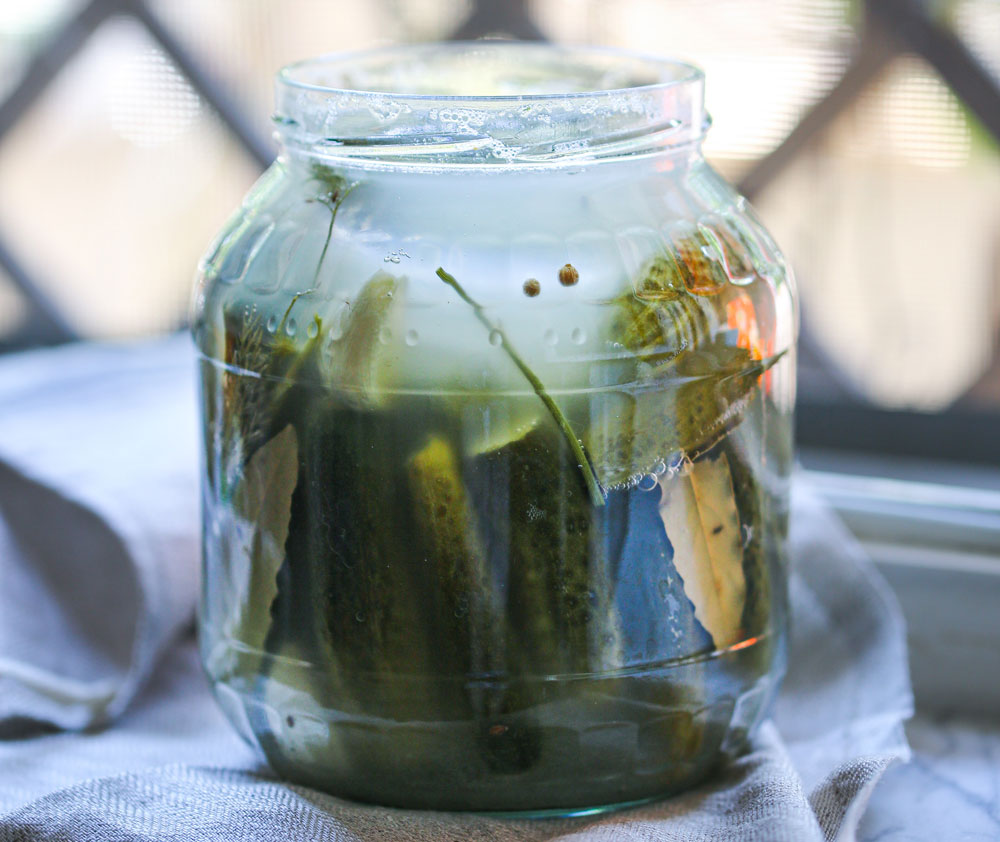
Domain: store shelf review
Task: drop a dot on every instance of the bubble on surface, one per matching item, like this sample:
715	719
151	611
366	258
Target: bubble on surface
496	338
385	336
648	483
395	256
272	324
412	338
312	330
291	326
578	336
550	337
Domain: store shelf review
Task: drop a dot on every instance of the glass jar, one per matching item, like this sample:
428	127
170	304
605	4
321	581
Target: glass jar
497	381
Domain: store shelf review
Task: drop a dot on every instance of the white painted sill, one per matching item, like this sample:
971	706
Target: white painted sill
934	532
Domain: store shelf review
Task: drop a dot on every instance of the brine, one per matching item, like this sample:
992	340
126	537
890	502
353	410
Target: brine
543	572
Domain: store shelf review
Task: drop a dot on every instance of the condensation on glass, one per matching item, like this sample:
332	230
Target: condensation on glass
497	381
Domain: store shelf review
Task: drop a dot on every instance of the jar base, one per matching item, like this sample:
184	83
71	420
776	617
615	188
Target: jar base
572	812
589	745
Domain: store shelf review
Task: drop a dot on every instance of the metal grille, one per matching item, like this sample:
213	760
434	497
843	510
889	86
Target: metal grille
816	106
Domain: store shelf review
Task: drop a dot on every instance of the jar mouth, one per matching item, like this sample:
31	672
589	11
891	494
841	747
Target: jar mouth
489	102
485	70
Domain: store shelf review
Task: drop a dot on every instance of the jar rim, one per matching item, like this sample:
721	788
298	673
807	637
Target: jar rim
680	72
481	102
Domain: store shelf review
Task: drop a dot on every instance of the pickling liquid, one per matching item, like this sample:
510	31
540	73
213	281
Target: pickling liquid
420	603
506	536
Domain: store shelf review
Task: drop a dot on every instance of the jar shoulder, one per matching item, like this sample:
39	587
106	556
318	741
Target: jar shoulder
316	233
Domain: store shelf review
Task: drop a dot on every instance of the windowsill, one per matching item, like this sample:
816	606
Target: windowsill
934	532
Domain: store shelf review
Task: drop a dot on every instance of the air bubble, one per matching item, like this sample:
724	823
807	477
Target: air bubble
496	338
272	324
660	468
395	256
385	336
291	326
312	330
648	483
578	336
412	338
550	337
360	616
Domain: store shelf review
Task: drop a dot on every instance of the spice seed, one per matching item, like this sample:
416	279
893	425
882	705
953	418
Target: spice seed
568	275
532	287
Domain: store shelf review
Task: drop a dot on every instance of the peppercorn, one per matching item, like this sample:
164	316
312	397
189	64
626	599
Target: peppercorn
568	275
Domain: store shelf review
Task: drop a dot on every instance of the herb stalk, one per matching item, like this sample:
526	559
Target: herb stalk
583	460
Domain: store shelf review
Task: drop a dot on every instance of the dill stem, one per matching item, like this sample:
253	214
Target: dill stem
583	460
329	231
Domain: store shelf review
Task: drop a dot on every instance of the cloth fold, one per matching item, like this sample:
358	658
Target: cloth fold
98	525
98	547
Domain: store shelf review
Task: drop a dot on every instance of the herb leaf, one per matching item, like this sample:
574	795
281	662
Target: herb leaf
262	503
700	515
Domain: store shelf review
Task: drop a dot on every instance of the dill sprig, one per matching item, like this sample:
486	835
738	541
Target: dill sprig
576	446
335	191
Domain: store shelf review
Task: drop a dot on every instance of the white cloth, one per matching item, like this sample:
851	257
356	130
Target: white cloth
171	768
98	524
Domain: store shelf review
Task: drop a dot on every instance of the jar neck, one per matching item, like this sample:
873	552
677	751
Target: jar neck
544	107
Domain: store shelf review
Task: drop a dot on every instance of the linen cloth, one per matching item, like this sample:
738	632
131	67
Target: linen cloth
98	534
98	524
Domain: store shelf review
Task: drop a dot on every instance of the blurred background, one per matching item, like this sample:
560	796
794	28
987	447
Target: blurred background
867	134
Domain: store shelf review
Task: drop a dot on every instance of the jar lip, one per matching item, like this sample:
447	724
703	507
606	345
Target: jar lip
684	72
488	102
